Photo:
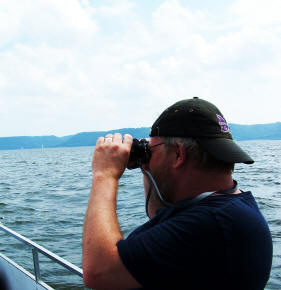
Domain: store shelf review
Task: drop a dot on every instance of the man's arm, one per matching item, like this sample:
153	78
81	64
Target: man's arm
102	266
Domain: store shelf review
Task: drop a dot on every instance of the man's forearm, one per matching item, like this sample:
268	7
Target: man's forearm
101	228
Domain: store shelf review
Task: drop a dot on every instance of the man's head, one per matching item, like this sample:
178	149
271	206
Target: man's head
198	119
197	152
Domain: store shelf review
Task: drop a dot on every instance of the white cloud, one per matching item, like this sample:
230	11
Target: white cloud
71	66
257	12
116	9
174	20
9	25
58	23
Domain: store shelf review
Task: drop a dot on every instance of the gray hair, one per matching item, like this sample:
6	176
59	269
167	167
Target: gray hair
202	159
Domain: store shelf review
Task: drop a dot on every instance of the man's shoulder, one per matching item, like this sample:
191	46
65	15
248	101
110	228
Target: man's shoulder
220	203
206	212
205	216
211	204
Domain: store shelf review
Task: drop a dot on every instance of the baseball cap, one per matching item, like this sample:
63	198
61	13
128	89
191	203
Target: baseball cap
203	121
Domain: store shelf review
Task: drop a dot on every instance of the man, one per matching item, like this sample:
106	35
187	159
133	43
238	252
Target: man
203	233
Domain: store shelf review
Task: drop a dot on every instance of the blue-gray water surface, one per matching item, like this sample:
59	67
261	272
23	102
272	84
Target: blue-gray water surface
44	195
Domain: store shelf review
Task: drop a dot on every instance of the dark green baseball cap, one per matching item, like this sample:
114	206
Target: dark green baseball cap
203	121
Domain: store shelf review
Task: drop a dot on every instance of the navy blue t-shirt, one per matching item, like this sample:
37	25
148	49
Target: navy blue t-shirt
221	242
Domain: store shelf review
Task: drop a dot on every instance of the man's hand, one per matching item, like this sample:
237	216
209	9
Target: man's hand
111	155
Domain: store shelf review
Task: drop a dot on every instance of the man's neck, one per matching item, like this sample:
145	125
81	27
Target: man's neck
198	182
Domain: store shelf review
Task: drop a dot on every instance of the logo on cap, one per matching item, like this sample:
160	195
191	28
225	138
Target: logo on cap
224	127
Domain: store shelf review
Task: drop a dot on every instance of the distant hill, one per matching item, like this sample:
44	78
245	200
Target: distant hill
28	142
90	138
270	131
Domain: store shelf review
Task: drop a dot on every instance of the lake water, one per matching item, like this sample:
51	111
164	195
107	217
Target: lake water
44	195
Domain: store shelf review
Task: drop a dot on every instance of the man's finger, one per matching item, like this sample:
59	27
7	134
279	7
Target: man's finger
108	138
117	138
100	140
128	139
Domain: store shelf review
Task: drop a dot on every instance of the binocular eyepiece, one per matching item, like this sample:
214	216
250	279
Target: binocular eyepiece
139	154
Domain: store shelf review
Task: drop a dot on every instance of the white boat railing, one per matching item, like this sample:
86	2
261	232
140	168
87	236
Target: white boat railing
37	248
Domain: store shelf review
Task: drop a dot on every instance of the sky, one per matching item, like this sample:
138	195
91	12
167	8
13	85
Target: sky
70	66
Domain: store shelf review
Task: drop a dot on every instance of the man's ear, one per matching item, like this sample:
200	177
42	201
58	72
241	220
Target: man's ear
180	156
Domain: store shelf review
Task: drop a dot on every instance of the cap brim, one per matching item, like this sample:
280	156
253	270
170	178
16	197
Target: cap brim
225	149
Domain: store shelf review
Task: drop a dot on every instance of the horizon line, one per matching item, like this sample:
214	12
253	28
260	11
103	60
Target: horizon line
61	136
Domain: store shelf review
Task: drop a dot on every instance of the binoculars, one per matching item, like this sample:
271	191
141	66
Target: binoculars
140	153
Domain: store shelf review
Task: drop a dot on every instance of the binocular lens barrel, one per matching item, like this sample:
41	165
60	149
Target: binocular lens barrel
139	154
